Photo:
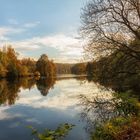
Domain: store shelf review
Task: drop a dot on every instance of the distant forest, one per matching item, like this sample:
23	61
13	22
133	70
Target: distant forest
65	68
12	67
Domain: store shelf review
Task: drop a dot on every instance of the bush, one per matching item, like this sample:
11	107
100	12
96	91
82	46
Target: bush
119	128
48	134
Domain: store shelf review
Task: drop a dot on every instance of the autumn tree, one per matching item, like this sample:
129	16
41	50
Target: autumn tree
111	25
11	66
45	66
12	62
112	30
79	68
30	64
63	68
3	71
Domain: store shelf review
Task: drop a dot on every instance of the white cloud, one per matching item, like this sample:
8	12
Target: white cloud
67	46
6	31
3	39
66	98
67	59
13	21
9	30
31	24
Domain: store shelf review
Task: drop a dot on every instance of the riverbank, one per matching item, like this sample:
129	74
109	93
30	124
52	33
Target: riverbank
125	124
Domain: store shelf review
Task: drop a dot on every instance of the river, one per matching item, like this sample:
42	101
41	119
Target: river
47	103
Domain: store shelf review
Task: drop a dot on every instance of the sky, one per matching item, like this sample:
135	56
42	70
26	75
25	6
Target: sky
35	27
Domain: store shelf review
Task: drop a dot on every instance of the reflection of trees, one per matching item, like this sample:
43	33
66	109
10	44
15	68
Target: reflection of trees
102	108
9	89
81	79
95	110
44	85
8	92
27	83
84	79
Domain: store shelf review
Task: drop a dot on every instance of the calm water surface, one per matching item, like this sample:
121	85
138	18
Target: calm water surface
46	103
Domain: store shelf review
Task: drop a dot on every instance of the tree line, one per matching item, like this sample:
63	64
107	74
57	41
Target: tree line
112	30
78	68
12	67
118	71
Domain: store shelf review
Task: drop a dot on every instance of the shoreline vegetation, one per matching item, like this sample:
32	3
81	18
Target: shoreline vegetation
11	67
103	71
112	28
112	31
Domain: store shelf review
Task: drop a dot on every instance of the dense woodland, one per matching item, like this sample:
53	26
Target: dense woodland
12	67
118	71
63	68
77	68
112	28
115	56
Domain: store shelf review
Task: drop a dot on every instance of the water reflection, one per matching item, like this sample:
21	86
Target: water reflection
45	84
50	102
103	107
26	83
97	107
9	89
31	108
8	92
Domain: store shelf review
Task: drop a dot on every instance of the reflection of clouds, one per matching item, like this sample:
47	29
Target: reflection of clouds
4	115
14	125
63	97
61	105
33	120
26	98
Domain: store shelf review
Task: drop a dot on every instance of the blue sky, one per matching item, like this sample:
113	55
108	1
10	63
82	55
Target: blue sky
34	27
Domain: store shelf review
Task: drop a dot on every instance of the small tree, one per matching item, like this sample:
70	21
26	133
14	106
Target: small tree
45	67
